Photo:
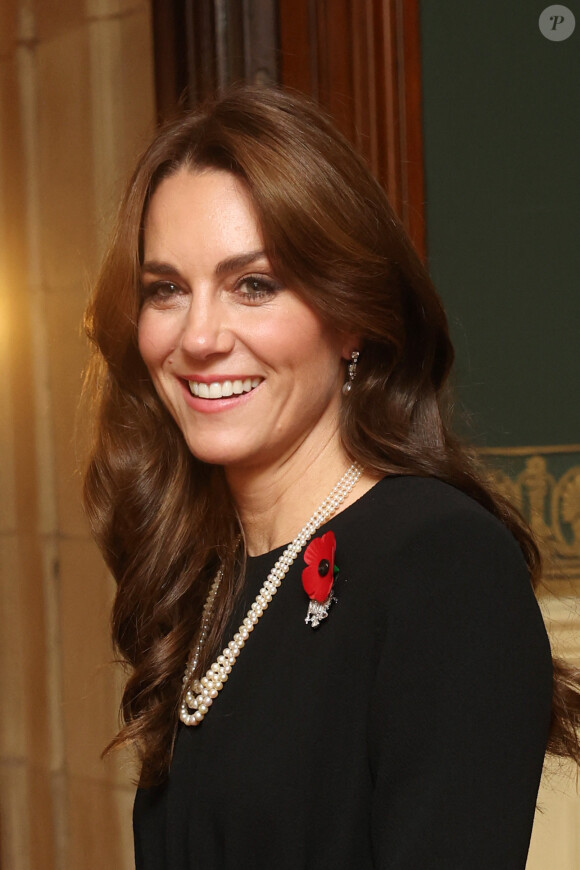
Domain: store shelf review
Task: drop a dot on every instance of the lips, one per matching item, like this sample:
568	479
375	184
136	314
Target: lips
223	389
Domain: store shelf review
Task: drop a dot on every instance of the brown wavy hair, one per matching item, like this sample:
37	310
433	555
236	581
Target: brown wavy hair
163	519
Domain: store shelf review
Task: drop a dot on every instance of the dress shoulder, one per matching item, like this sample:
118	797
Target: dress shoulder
461	706
433	534
417	503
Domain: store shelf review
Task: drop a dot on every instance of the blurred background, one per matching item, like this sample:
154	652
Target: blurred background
469	115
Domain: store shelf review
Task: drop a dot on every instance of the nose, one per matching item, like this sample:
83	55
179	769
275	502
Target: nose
206	329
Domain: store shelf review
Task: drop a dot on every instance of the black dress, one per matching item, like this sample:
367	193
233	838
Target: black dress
406	732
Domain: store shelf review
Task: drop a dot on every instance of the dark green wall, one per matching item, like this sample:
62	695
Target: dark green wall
502	159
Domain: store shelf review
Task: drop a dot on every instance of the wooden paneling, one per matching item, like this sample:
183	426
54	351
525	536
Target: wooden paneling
202	46
361	60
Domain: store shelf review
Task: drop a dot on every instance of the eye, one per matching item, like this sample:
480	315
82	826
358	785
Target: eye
257	288
160	291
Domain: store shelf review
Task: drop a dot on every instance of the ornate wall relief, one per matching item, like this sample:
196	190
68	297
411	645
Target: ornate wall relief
544	484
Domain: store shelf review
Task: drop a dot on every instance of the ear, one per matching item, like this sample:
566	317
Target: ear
351	342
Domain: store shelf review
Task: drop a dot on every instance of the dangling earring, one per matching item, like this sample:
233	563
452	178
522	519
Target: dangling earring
347	387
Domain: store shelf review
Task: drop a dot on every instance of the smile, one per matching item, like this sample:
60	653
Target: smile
223	389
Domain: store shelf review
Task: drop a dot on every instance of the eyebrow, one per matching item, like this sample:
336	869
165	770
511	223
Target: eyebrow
230	264
238	261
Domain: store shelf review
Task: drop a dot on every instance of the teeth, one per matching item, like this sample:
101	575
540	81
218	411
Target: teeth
223	389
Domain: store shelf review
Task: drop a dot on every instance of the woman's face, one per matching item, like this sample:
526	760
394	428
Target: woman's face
248	371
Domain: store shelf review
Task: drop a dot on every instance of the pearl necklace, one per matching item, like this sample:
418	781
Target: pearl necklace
198	695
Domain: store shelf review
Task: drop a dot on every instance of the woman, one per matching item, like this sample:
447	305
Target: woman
377	693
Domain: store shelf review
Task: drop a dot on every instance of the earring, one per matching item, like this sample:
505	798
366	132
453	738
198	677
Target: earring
347	387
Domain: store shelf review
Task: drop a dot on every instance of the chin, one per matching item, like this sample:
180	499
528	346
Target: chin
214	454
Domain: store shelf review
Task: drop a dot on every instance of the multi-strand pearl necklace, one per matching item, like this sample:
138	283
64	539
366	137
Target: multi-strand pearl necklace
198	695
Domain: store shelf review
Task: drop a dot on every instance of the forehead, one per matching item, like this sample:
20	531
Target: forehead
200	209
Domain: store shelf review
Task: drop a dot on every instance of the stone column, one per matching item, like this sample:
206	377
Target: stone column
76	105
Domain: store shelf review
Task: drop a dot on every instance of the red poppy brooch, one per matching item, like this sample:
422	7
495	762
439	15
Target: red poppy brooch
319	576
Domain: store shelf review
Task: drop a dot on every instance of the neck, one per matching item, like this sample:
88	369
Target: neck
274	503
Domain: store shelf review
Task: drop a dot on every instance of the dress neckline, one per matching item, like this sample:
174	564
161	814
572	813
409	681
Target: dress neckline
254	562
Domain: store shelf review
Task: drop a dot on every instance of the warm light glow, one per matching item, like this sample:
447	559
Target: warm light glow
4	317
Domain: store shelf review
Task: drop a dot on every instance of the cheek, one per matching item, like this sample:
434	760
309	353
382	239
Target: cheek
301	337
154	339
313	360
314	347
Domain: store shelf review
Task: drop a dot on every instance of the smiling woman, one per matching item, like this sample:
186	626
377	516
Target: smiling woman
269	378
231	351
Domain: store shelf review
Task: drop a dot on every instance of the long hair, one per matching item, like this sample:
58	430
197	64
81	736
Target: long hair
163	519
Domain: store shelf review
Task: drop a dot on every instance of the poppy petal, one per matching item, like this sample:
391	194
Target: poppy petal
321	549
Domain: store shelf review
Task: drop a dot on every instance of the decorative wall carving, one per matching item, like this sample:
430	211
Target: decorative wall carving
544	484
